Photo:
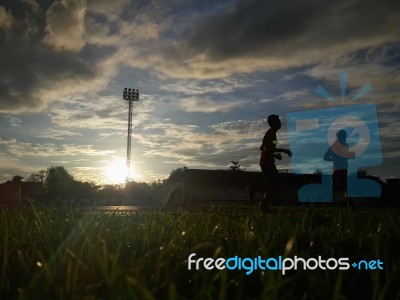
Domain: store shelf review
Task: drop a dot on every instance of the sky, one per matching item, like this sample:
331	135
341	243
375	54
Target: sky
208	72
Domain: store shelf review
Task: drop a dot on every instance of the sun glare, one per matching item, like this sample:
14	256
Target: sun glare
116	171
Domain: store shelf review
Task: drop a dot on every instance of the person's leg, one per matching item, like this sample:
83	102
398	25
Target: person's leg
339	185
270	173
257	185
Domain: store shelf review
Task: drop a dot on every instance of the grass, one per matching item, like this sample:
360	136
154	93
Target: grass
61	253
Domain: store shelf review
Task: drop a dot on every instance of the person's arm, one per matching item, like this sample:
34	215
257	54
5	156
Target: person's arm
349	154
269	146
286	151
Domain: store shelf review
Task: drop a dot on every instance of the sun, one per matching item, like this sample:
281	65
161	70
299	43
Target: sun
116	171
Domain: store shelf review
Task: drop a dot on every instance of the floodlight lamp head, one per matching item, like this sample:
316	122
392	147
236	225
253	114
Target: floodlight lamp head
130	94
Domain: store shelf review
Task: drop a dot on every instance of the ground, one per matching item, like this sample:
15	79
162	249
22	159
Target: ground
59	252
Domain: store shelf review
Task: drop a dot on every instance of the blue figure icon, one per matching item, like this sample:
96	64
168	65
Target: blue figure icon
339	154
350	133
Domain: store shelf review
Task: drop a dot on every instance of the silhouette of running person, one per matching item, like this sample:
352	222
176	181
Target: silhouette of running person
269	152
339	154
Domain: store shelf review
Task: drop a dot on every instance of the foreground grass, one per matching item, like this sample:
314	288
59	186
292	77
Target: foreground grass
60	253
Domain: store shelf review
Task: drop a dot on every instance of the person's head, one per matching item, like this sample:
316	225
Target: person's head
274	122
341	136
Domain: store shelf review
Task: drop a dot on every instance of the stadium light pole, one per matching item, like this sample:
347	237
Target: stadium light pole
129	95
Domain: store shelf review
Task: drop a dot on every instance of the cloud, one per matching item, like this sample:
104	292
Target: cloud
293	95
268	28
213	147
199	87
106	6
20	149
68	46
268	35
92	111
383	76
34	5
6	18
23	158
240	128
207	105
40	58
10	167
58	134
123	35
14	121
265	100
65	20
142	30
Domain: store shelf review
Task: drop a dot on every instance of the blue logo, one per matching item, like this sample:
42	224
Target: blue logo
337	141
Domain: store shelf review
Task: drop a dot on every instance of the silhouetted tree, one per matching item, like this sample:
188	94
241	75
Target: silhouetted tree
59	183
38	177
84	190
317	172
17	179
176	175
110	191
138	192
235	166
155	185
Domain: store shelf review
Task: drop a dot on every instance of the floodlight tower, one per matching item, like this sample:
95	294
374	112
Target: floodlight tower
129	95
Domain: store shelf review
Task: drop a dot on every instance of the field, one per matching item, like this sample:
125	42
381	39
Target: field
62	253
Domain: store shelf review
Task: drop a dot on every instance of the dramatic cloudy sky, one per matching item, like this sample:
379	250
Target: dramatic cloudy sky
209	73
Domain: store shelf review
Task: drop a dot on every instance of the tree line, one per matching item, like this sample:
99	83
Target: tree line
58	185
